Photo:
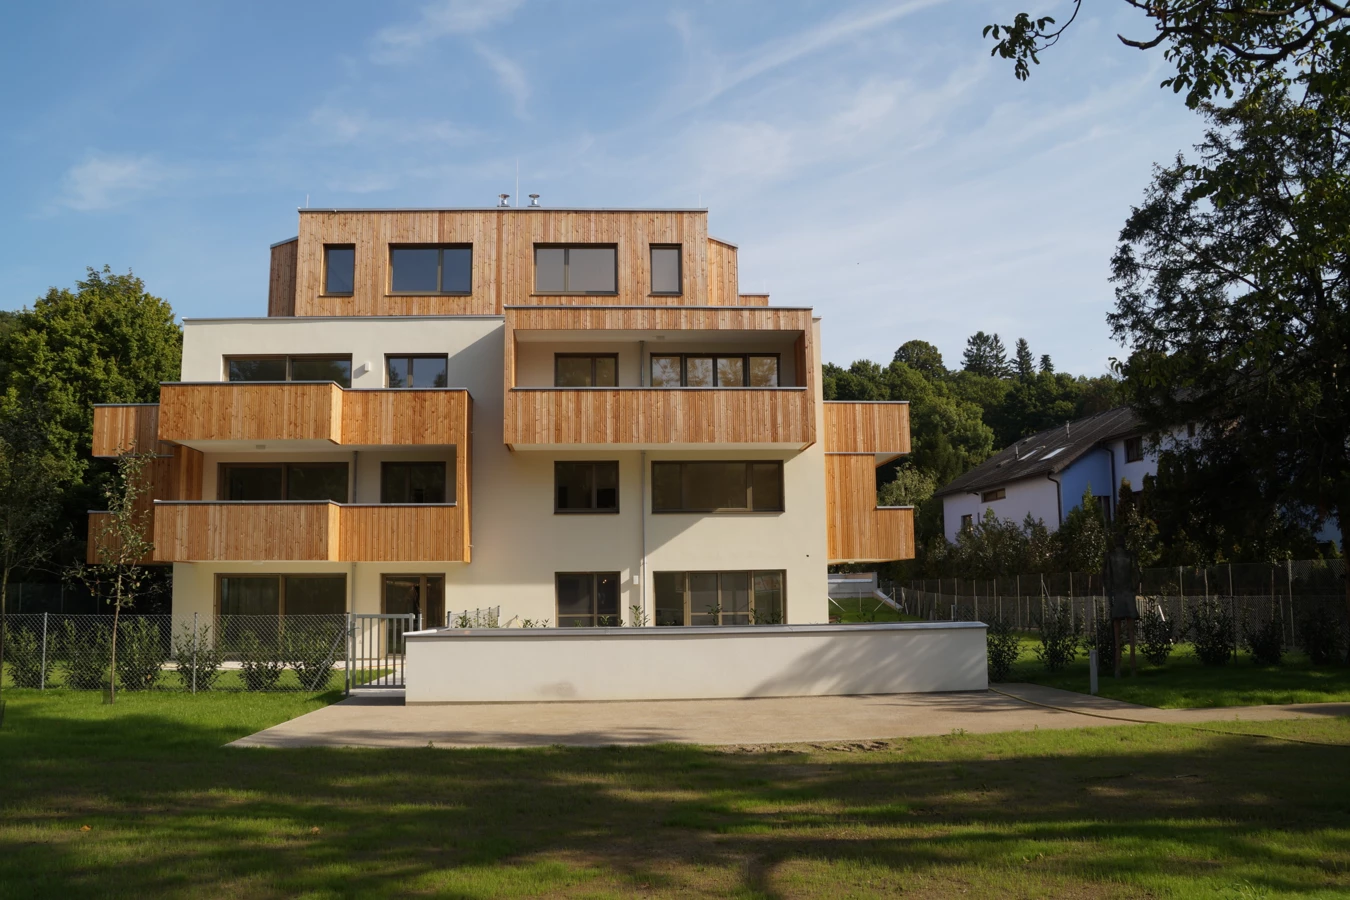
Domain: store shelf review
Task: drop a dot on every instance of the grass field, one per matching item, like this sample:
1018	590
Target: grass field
1140	811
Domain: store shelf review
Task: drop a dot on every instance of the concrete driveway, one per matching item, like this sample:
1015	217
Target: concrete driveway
381	720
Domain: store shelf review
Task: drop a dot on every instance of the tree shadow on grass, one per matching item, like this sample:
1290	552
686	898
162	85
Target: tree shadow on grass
172	813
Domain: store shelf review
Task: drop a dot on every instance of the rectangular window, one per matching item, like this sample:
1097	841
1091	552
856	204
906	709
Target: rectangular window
283	595
339	269
431	269
717	486
700	370
588	599
719	598
666	275
283	481
412	482
585	487
967	522
290	368
417	371
1134	449
585	370
587	269
991	496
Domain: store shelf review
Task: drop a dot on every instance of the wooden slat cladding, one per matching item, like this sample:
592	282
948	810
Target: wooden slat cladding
404	533
176	476
723	280
881	427
753	300
650	318
250	412
126	428
281	281
660	416
192	532
857	531
400	417
503	257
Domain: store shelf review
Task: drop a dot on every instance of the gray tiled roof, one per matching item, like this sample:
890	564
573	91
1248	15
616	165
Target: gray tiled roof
1049	452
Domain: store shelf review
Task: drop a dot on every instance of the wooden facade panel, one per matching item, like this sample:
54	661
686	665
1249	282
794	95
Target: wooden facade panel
857	531
651	318
174	476
753	300
881	427
281	281
723	278
197	532
401	417
126	428
250	412
415	533
660	416
503	256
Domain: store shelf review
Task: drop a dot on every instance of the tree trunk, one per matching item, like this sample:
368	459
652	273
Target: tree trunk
112	664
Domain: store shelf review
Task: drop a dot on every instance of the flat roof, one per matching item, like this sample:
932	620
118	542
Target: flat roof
633	209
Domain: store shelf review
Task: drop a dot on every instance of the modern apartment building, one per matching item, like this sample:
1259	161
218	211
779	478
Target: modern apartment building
574	415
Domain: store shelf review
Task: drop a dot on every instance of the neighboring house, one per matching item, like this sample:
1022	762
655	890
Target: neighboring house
1046	474
574	415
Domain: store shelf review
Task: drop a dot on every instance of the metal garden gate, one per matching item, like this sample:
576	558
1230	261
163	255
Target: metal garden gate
375	648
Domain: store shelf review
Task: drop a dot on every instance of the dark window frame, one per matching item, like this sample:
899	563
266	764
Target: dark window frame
748	509
427	607
326	291
967	521
993	496
594	615
594	510
450	486
745	368
1134	449
281	587
567	290
440	270
285	466
412	357
289	358
679	269
592	357
750	573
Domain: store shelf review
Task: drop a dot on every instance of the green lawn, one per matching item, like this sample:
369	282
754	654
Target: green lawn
1114	812
1184	683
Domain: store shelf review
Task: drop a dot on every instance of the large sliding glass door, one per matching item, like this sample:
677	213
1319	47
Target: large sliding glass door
720	598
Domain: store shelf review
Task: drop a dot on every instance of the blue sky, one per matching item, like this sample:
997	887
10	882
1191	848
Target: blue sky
870	159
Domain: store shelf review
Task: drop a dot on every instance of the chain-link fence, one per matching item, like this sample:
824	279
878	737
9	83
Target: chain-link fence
168	653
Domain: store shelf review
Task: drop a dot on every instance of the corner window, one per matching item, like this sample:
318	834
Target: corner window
412	482
991	496
1134	449
339	269
585	487
588	599
719	598
417	371
244	482
290	368
425	269
717	486
696	370
583	269
585	370
666	275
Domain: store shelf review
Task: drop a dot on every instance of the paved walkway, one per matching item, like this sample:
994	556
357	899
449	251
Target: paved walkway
383	721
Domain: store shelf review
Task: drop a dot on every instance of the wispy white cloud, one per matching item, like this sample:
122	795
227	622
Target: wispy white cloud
438	20
510	76
105	180
333	124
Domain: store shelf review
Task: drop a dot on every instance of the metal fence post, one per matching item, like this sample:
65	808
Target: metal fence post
194	653
1289	581
42	685
347	687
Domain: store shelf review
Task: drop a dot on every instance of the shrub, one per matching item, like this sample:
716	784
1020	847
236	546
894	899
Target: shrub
1265	642
1157	635
1103	640
1210	626
1003	648
1059	642
23	652
260	661
86	653
1319	632
202	660
311	650
141	654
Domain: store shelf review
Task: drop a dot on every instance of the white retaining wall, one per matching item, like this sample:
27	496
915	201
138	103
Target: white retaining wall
698	663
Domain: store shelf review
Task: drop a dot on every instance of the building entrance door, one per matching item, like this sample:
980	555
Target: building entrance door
419	595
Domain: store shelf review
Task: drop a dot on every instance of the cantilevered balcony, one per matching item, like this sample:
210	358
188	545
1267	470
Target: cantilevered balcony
858	438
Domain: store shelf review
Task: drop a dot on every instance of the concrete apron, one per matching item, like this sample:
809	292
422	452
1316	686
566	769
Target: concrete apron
380	719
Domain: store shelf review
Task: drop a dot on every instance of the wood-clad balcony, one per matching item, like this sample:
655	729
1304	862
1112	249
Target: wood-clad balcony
641	417
121	428
857	529
880	428
309	531
301	411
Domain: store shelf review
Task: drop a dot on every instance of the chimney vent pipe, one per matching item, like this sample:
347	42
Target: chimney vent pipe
534	201
502	201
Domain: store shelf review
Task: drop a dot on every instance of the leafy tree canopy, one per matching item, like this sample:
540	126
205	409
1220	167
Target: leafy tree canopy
922	357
